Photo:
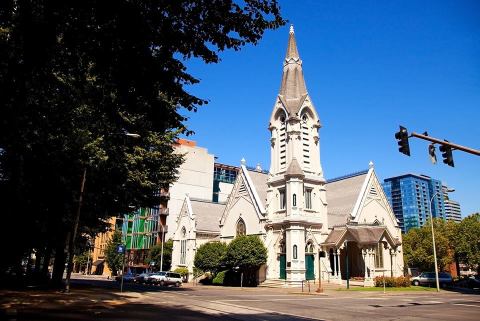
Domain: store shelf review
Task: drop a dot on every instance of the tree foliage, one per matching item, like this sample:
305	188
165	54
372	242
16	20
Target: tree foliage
82	260
155	255
246	252
210	256
75	78
114	259
466	241
460	241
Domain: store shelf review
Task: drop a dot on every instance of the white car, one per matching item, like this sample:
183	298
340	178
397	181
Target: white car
166	278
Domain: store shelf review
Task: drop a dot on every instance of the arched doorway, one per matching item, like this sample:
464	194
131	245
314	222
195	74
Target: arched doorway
309	262
283	261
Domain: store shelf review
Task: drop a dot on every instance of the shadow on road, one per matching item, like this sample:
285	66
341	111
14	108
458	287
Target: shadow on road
87	303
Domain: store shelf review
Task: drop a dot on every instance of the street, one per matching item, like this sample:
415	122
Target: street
101	300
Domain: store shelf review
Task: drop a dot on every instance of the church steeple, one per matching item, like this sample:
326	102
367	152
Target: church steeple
292	51
296	195
294	122
292	90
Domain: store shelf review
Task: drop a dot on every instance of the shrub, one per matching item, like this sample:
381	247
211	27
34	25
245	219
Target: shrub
393	282
219	278
183	271
207	280
209	256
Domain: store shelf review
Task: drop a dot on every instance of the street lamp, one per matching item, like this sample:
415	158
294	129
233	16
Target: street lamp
433	237
161	252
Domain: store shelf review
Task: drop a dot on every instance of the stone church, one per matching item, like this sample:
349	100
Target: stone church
311	227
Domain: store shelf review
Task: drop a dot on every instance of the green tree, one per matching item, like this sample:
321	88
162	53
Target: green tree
75	77
467	241
155	255
114	259
247	253
210	257
418	249
82	260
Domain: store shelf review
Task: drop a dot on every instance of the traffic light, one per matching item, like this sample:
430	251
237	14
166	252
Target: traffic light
431	152
402	137
447	155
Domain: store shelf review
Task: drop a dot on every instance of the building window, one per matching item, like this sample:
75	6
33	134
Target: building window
183	251
295	252
308	198
241	228
294	199
379	256
282	199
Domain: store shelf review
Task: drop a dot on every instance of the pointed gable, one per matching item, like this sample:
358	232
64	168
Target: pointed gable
294	169
372	204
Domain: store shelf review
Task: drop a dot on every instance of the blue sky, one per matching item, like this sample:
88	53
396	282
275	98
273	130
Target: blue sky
369	67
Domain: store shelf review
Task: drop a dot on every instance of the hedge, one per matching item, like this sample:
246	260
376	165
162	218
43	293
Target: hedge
393	282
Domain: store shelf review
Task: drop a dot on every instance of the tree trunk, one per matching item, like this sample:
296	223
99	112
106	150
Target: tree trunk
46	260
59	264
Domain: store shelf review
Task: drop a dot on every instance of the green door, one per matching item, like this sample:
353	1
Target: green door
283	266
309	266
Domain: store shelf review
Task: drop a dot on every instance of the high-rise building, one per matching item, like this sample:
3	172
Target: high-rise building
410	197
452	208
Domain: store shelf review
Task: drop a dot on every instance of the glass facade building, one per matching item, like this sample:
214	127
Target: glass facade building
410	196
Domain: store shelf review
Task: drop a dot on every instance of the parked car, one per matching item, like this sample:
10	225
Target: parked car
142	278
472	282
166	278
127	277
428	278
155	278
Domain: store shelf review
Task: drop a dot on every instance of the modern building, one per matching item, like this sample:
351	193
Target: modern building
452	208
99	266
308	224
410	196
199	177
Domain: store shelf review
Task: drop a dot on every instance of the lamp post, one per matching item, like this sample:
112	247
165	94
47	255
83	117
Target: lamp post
161	251
433	237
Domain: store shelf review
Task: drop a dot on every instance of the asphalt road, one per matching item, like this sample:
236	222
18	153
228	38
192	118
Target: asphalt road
100	299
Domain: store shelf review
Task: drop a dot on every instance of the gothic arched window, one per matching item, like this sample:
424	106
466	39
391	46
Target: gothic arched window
295	252
183	246
241	228
294	199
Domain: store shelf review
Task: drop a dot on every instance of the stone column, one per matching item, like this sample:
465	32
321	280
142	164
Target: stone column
339	268
393	259
369	259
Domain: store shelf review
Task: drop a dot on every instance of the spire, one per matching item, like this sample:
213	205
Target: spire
292	51
292	89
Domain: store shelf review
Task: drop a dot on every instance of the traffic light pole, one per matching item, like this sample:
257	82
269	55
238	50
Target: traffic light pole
445	143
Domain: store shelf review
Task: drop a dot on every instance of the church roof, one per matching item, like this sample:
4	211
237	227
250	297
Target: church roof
362	234
294	169
207	215
259	180
342	195
292	90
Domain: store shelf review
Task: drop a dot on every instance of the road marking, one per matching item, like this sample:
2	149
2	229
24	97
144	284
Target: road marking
468	305
265	300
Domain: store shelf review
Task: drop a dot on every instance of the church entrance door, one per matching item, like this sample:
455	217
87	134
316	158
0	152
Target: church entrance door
309	266
283	266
